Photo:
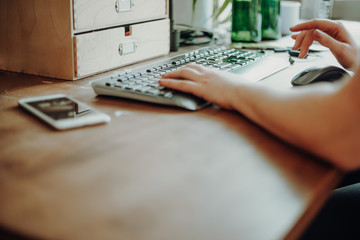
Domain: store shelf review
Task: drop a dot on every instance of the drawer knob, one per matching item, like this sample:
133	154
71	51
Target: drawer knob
127	48
124	5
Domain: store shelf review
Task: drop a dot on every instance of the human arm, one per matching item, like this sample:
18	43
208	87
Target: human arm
322	119
330	34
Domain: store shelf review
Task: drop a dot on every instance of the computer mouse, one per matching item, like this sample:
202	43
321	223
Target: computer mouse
319	74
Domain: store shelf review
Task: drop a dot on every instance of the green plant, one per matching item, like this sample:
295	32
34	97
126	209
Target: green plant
194	5
219	10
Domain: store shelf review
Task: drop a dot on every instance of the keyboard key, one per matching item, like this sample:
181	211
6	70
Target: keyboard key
144	79
123	79
224	65
143	88
153	91
154	85
168	94
233	67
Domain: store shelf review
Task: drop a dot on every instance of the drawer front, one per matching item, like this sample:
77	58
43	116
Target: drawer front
108	49
96	14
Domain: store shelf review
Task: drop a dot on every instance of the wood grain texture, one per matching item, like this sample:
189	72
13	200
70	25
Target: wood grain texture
153	172
36	37
94	14
99	51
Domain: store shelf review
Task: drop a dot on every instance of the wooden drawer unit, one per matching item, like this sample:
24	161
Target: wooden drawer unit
72	39
93	14
110	48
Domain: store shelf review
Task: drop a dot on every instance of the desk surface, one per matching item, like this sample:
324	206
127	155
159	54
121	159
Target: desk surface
153	172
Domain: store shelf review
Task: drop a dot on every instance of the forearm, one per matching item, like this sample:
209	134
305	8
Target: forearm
323	119
310	118
281	112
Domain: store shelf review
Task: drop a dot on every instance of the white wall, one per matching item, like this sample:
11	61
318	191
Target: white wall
346	9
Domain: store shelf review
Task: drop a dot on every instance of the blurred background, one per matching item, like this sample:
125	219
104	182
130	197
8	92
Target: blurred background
209	14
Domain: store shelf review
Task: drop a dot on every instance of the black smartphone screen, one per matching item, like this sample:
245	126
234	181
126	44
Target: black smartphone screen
60	108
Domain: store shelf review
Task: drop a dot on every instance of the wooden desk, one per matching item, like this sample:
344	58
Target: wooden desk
153	172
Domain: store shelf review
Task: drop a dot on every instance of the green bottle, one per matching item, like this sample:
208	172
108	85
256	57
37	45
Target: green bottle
246	21
271	25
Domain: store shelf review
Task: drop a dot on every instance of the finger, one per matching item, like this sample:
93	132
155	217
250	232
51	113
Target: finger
195	66
299	39
183	73
332	43
343	35
306	43
342	51
322	24
181	85
326	40
294	36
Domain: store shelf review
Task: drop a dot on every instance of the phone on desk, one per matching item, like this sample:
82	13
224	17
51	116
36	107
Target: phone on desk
63	112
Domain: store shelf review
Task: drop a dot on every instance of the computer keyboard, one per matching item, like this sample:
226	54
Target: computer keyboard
141	83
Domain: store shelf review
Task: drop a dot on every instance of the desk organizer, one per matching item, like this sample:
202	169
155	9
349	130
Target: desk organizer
72	39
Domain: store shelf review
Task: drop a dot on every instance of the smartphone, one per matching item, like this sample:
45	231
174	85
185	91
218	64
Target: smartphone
63	112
